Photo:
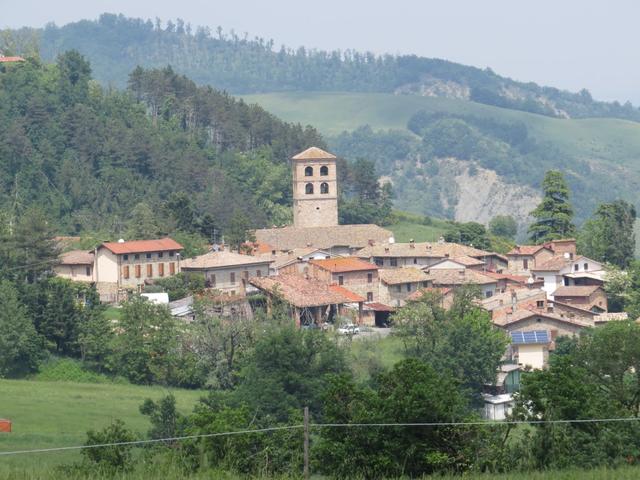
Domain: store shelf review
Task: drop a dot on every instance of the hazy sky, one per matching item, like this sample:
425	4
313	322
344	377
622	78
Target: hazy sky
568	44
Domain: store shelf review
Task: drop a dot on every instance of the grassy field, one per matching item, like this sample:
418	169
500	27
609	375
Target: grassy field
605	139
52	414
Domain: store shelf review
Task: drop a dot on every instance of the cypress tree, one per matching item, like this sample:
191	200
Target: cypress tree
554	215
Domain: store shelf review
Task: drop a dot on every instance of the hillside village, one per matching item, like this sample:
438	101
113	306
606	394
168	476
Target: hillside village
191	286
330	274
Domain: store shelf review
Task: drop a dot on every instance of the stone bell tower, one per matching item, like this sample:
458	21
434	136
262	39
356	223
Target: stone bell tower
315	189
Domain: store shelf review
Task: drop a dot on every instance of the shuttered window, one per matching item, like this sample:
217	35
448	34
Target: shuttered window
172	268
138	271
161	269
149	270
125	271
232	276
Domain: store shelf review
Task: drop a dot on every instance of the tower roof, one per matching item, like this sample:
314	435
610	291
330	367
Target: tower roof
313	153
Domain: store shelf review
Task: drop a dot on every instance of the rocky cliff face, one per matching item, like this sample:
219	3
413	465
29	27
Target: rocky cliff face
482	194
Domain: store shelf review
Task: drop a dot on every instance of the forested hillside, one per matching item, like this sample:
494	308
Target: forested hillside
115	45
102	160
467	161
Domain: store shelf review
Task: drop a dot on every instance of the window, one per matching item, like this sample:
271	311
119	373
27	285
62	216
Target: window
340	280
586	266
540	304
324	188
308	172
245	275
125	271
138	271
149	270
258	273
398	288
161	269
369	277
525	264
172	253
566	282
488	294
232	277
160	254
212	279
393	262
408	287
576	267
136	256
369	296
172	268
324	171
308	188
125	257
88	271
379	262
415	261
148	255
425	284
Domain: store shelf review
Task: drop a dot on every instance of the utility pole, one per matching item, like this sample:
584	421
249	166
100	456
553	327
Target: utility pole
306	443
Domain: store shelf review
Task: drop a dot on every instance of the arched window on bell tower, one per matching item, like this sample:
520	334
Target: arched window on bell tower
308	172
308	188
324	171
324	187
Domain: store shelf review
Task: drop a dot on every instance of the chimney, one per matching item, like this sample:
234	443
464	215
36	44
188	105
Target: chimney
412	243
386	249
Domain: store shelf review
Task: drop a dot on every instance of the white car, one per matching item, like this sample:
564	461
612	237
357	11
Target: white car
349	329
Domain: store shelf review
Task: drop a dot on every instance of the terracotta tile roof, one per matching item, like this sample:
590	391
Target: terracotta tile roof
4	59
300	291
557	262
142	246
417	295
313	153
468	261
221	259
353	236
378	307
345	264
524	314
395	276
354	297
423	249
576	291
77	257
506	299
527	249
458	277
581	311
507	276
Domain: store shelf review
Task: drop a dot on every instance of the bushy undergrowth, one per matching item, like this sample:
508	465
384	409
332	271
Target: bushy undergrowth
70	370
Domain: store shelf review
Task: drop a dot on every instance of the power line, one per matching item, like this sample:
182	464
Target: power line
491	423
155	440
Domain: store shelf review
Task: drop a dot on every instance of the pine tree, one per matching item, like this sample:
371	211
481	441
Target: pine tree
554	214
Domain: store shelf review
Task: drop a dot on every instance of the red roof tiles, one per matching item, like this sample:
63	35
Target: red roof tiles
142	246
11	59
345	292
346	264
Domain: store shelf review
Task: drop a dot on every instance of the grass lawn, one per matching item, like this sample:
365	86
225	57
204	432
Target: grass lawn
53	414
113	313
369	354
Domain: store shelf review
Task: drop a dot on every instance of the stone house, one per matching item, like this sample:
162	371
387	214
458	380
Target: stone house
121	267
588	297
76	265
446	295
450	278
357	275
412	254
396	284
228	272
526	319
523	258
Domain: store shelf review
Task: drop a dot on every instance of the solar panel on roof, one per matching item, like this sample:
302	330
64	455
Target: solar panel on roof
535	336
